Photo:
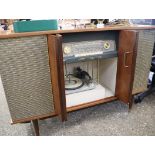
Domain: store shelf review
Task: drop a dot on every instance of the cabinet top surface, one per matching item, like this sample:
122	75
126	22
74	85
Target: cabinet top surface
8	34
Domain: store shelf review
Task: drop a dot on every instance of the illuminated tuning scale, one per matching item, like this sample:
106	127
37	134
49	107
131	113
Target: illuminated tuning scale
87	49
88	54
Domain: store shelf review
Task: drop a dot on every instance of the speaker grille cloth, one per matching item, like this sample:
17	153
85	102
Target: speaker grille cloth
24	68
143	62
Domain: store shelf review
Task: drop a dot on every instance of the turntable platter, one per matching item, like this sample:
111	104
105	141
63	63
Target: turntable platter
72	83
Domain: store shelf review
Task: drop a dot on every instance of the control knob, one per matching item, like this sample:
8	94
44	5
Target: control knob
106	45
67	50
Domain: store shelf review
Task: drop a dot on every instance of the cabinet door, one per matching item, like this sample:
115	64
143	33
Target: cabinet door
55	50
25	72
127	51
146	41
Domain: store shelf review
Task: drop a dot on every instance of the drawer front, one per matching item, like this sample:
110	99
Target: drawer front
143	61
25	72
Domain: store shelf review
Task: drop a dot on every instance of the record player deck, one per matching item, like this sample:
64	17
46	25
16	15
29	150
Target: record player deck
85	87
78	82
73	83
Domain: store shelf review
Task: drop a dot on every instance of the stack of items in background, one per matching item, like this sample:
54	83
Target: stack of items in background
66	24
6	25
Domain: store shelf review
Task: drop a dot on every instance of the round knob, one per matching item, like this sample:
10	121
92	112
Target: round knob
67	50
106	45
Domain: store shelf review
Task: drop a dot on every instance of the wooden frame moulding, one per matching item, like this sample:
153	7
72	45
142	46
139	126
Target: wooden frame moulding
91	104
106	28
53	63
61	76
33	118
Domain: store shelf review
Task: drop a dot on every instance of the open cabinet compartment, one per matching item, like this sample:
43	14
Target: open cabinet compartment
103	72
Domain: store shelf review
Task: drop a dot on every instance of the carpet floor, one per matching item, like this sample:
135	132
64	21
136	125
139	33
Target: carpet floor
112	119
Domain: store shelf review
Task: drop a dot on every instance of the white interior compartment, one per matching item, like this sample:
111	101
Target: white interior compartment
104	75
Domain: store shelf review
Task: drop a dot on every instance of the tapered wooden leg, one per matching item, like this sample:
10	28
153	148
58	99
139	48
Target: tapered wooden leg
63	117
130	106
131	103
36	127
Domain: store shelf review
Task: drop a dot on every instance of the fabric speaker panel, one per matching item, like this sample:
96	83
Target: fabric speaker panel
25	72
143	61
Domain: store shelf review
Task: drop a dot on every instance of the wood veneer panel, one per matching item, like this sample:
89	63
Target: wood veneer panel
106	28
126	65
61	77
90	104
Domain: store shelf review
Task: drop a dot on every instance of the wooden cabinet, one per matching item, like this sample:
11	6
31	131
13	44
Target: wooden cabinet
33	72
120	71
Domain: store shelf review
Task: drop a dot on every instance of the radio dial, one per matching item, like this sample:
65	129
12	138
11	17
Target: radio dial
67	50
106	45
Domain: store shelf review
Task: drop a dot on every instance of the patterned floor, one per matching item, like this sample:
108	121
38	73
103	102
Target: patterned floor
103	120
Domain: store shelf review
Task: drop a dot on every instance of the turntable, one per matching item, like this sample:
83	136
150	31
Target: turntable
78	82
73	83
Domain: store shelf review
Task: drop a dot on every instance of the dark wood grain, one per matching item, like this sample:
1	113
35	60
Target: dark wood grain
36	127
33	118
133	68
53	71
126	65
61	77
53	46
